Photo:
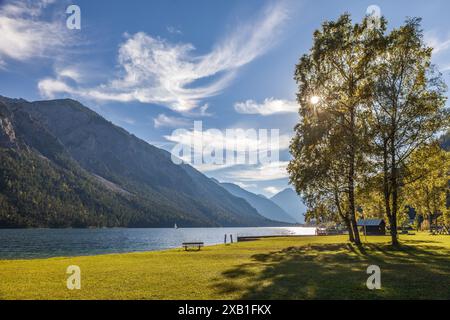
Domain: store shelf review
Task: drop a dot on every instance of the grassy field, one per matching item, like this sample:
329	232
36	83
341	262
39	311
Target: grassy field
281	268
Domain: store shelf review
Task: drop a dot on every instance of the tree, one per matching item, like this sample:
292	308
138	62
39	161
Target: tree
408	108
321	213
427	187
369	198
316	174
333	80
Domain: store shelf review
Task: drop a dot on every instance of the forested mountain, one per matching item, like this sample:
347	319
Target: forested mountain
291	203
63	165
264	206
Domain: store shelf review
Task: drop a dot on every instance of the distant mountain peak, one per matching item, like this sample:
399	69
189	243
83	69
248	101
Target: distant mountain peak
261	203
285	191
291	202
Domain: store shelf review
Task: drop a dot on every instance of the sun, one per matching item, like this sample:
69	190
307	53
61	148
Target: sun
315	99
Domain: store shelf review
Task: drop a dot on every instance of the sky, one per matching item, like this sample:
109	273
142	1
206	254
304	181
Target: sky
163	69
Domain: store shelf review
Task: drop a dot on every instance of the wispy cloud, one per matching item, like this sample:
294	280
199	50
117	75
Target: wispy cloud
439	44
245	185
70	72
209	167
201	111
267	107
174	30
49	87
163	120
26	35
129	120
272	190
157	71
265	172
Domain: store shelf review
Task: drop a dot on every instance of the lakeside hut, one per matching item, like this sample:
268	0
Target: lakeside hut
372	227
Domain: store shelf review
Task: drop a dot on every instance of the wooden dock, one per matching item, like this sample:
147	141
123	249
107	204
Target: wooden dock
254	238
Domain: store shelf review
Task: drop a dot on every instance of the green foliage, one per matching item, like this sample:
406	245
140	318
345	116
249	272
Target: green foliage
329	145
37	193
428	185
408	109
377	100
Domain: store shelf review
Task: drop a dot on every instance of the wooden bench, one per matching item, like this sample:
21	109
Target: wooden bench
187	245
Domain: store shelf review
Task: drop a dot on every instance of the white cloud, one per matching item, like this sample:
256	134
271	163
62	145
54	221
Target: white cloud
163	120
49	87
129	121
70	72
265	172
272	190
433	40
267	107
24	35
174	30
157	71
444	67
202	111
441	46
245	185
209	167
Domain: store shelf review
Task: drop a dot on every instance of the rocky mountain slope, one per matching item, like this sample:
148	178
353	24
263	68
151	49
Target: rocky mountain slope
63	165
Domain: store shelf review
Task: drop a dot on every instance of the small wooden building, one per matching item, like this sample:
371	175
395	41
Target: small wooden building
372	226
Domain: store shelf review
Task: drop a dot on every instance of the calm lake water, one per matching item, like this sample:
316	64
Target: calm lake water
43	243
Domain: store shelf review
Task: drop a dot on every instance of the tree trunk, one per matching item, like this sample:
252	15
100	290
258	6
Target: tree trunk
351	180
394	190
351	237
345	218
386	191
352	214
348	224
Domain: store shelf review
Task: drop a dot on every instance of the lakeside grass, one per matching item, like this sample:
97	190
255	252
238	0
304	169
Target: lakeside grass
275	268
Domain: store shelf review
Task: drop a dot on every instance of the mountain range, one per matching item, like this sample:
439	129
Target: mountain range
291	203
63	165
263	205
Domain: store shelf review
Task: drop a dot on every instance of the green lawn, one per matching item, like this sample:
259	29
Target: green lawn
281	268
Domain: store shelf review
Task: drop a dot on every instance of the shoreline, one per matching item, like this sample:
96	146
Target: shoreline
129	228
180	248
104	243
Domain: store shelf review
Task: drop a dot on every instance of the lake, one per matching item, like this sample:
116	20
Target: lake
44	243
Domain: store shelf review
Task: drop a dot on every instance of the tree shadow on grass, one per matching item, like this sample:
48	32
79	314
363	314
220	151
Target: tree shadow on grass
338	271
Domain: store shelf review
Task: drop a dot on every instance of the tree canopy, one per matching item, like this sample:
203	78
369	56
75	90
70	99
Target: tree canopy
369	99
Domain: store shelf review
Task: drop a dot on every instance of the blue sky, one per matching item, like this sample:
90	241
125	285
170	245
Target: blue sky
156	66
